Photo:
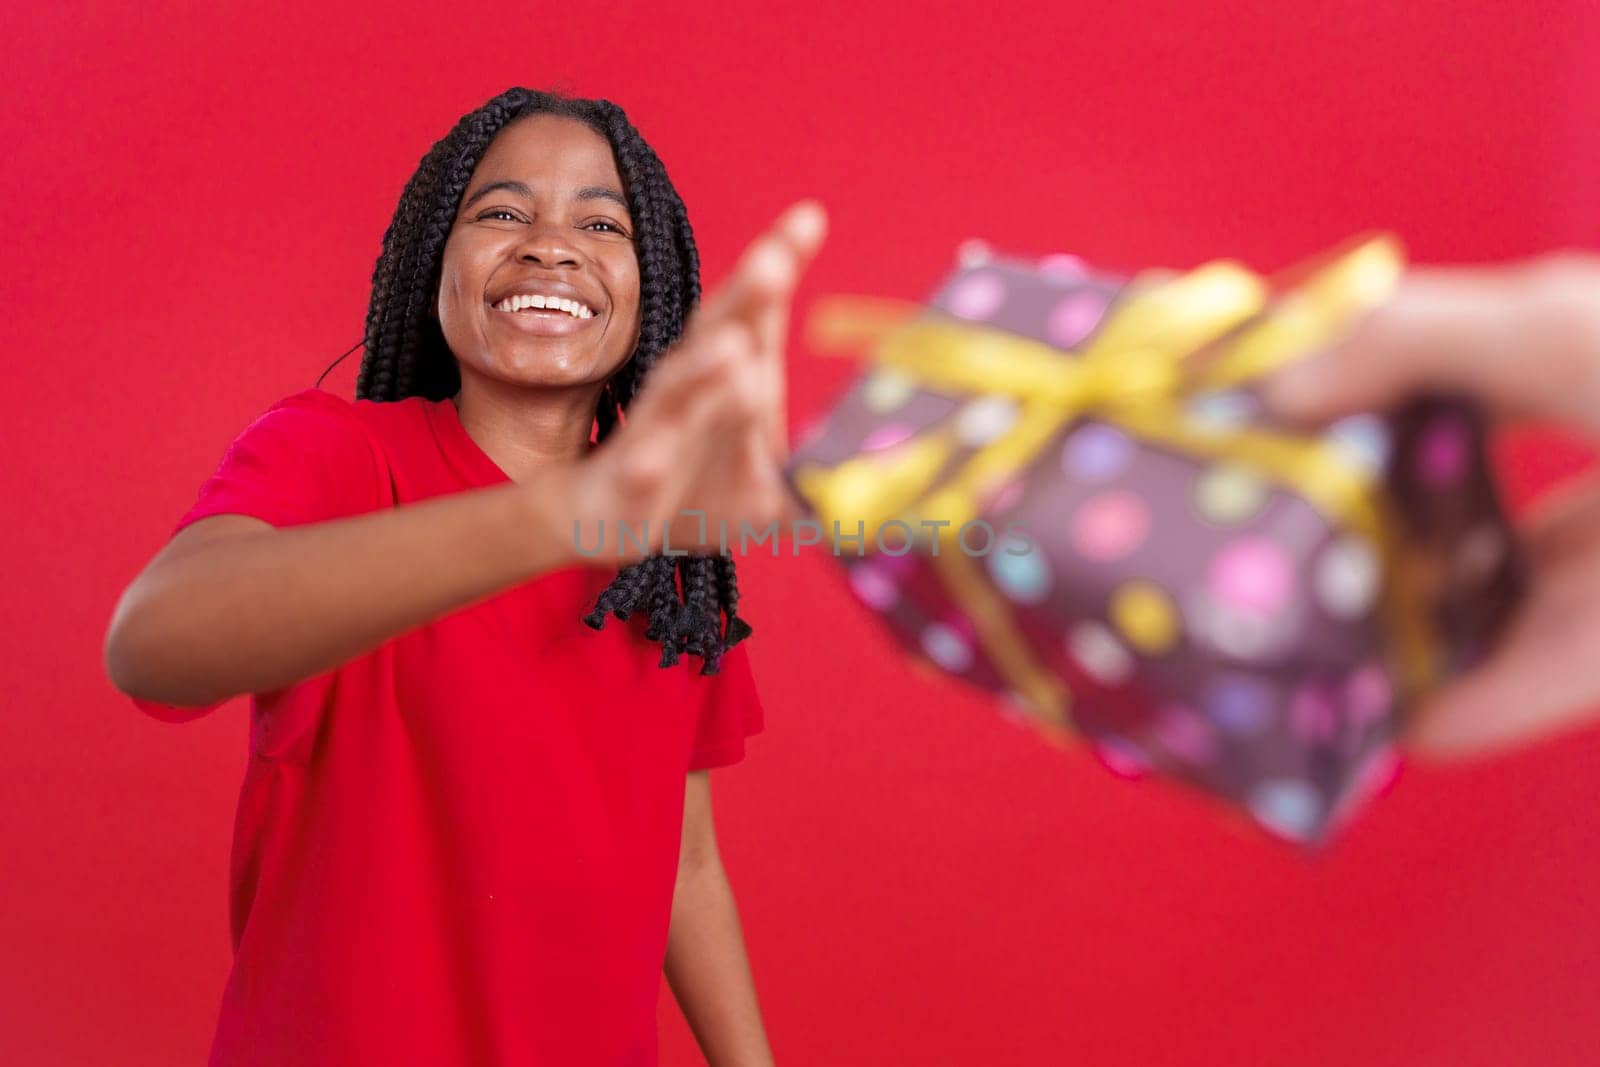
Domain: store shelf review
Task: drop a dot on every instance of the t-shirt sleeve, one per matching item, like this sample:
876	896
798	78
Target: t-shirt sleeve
730	712
305	459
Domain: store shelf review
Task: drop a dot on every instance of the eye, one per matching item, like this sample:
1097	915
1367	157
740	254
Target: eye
609	226
498	211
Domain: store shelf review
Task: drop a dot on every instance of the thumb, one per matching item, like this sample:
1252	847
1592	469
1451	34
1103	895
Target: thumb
1414	341
1519	698
1313	389
1503	338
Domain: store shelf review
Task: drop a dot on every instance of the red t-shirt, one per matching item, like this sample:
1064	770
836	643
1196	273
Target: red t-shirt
461	848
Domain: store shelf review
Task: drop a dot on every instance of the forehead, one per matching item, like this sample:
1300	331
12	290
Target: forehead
549	150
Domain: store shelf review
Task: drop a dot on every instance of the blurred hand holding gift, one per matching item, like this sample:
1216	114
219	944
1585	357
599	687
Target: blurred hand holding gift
1067	491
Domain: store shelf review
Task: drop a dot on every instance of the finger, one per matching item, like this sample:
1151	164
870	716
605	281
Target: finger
804	228
702	437
759	294
791	508
662	451
773	381
728	469
1522	698
801	231
1536	682
1525	342
723	401
686	369
764	497
769	269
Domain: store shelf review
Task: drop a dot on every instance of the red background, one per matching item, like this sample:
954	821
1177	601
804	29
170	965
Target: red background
193	202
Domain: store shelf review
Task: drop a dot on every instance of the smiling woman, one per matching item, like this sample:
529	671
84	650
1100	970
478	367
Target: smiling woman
527	241
566	200
471	830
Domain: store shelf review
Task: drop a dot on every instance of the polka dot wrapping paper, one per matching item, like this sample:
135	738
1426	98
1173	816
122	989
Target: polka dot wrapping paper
1058	484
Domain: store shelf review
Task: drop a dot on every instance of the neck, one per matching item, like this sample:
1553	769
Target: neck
524	429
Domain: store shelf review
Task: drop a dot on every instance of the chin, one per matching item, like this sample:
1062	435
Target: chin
542	370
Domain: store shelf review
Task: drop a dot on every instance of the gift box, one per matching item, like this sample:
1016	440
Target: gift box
1058	484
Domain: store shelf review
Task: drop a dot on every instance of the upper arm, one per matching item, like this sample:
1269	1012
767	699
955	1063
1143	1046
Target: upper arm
307	458
209	530
132	614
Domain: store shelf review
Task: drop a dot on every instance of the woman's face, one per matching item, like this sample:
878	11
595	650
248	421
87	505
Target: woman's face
540	283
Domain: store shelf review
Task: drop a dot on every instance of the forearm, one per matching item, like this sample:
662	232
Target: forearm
709	971
255	611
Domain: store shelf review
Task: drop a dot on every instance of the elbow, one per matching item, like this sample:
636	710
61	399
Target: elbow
127	652
139	660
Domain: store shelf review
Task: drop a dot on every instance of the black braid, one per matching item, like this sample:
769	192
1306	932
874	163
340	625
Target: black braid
728	597
406	354
699	627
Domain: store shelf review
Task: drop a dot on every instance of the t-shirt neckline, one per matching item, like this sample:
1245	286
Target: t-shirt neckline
465	453
480	470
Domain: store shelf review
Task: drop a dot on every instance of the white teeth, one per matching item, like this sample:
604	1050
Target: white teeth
546	303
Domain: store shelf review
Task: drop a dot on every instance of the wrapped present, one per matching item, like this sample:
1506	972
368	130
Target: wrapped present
1058	484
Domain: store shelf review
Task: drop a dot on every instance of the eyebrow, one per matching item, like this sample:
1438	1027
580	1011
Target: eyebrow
588	192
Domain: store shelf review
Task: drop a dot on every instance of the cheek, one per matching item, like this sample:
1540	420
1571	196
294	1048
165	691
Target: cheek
457	294
448	312
459	323
626	290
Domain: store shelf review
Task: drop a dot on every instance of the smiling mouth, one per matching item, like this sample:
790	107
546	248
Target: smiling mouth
549	305
543	322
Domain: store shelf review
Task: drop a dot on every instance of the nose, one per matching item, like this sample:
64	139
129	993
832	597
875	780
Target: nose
549	245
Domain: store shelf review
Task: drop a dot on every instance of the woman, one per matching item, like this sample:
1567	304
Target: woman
472	831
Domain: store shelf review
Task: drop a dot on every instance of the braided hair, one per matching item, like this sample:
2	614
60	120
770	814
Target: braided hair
686	596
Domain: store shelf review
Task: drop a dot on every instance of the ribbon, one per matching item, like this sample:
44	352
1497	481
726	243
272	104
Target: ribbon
1164	341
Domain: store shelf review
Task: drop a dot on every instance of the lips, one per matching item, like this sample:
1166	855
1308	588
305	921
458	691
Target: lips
543	297
524	302
543	322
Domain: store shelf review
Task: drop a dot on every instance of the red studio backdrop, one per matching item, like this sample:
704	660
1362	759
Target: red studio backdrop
192	205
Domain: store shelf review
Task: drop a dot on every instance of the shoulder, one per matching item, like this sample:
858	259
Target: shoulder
310	423
317	422
305	458
309	411
315	415
318	400
386	423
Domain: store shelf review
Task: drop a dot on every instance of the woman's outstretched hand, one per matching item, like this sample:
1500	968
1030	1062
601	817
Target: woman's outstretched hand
1525	341
707	432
